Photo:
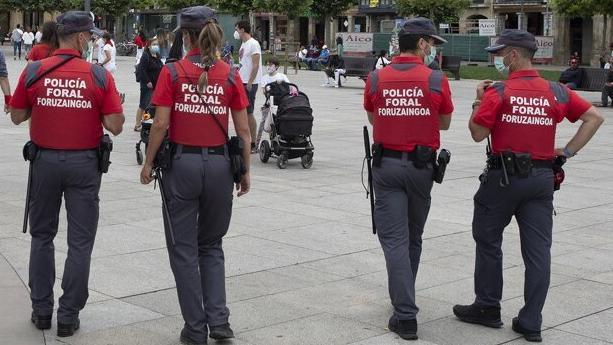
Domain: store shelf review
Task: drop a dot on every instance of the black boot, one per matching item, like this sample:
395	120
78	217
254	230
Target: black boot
221	332
531	336
187	340
406	329
41	321
482	315
67	329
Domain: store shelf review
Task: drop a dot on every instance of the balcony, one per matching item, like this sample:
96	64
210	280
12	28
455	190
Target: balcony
378	7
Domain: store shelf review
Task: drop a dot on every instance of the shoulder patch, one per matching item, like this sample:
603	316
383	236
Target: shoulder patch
99	74
436	81
172	68
31	72
559	91
374	81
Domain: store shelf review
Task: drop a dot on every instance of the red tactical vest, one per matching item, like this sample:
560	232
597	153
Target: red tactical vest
403	113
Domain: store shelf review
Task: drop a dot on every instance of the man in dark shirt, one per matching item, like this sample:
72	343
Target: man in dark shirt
573	76
607	90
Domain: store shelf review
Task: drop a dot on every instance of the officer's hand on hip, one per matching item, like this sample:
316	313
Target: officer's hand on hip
146	175
482	86
244	185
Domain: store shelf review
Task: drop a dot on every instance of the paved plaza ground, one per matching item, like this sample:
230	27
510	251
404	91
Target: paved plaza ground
302	264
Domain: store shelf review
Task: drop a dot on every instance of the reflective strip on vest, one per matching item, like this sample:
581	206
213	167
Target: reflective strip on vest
436	81
499	88
31	72
374	81
99	74
559	92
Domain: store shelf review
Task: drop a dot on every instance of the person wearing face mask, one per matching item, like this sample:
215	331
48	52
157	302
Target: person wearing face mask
149	69
521	115
272	76
407	104
68	101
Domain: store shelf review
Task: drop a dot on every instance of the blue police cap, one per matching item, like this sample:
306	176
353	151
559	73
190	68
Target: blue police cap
514	38
195	17
78	21
421	26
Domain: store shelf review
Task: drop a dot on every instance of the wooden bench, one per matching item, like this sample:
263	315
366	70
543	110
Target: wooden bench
452	64
359	66
593	79
293	60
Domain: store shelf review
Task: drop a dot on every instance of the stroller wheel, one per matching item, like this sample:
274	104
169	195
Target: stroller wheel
282	160
265	151
139	157
307	160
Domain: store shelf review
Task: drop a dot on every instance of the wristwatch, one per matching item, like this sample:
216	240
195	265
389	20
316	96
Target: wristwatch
476	103
568	153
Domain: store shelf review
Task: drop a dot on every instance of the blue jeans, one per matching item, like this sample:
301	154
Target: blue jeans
16	47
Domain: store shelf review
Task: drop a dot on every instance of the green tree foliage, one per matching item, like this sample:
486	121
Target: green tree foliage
179	4
289	7
235	7
35	5
440	11
333	8
585	8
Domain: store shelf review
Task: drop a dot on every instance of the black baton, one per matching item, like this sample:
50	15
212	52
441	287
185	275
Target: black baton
27	209
158	177
371	193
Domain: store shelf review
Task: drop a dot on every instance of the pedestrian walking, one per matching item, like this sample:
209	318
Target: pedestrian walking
408	104
194	98
250	69
17	40
520	114
68	101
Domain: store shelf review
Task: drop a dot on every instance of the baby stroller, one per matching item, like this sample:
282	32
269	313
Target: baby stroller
145	123
290	131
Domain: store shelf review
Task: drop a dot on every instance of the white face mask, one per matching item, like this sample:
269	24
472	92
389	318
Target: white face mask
500	65
271	69
237	36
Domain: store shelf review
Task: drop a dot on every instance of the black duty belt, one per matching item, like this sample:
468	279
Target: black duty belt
536	163
398	154
216	150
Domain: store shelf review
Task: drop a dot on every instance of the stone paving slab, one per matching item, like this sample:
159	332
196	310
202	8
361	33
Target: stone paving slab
302	264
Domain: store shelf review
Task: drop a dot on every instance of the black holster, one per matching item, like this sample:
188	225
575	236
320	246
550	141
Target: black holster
441	165
377	154
423	156
236	145
164	156
104	153
29	151
523	164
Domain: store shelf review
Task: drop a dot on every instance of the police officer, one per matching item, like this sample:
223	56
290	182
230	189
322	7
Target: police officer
68	101
521	115
408	104
193	98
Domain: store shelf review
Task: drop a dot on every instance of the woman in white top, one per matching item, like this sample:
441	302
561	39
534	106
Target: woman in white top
108	54
382	61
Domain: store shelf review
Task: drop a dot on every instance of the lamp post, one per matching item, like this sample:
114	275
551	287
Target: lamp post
87	6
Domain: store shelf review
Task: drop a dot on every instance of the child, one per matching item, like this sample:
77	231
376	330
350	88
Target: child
272	75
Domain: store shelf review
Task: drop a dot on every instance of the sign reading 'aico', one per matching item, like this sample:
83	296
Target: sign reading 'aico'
357	44
487	27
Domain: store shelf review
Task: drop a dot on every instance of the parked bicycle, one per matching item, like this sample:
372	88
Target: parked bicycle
126	48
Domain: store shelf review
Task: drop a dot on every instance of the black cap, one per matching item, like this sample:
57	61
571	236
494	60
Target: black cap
421	26
514	38
78	21
195	17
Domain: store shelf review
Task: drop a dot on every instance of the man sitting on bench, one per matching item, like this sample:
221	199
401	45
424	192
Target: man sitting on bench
334	70
573	76
607	90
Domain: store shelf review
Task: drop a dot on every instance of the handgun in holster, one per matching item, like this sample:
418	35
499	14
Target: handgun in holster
377	154
558	172
441	165
104	153
423	156
164	156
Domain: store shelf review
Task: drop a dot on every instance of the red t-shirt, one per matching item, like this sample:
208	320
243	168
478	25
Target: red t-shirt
406	99
139	42
523	113
68	102
39	51
191	121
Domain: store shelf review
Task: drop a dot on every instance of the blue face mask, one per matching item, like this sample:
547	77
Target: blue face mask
500	66
155	50
428	59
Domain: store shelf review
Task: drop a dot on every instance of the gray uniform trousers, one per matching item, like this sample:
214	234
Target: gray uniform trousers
401	209
530	200
75	175
199	192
